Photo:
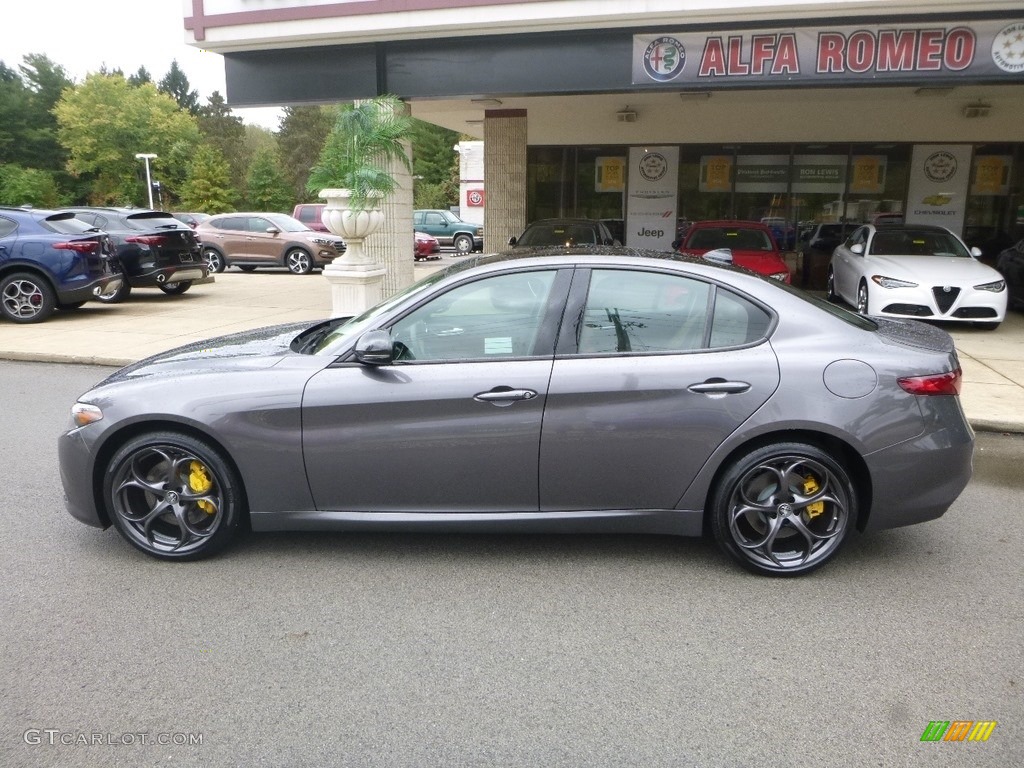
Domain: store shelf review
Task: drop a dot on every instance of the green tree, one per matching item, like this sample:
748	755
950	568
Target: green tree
221	129
14	125
207	187
46	82
27	186
140	77
267	188
303	133
104	122
175	84
435	166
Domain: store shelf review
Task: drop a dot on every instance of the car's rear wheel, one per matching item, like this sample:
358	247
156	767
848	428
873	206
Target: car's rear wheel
298	261
173	496
26	298
830	286
862	298
783	509
174	289
214	261
116	295
463	244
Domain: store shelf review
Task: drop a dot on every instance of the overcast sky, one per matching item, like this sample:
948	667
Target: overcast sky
83	35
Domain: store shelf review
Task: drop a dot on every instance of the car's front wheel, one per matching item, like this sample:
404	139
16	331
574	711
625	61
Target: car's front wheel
830	286
214	261
173	496
26	298
463	244
298	261
174	289
862	298
783	509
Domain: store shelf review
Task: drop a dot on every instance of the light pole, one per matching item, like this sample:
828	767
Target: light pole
147	156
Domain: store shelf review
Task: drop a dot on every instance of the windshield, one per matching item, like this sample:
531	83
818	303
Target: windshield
917	242
286	223
332	342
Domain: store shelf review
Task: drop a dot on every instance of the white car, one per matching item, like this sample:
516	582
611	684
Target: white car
917	271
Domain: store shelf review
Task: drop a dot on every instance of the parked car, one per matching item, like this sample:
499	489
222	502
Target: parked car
621	391
425	246
565	232
251	240
989	240
816	246
752	245
1010	264
152	248
449	230
310	214
916	271
50	260
783	231
192	219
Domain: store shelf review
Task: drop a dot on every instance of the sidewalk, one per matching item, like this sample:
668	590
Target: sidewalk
150	322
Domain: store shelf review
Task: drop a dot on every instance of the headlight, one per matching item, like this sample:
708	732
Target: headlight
892	282
325	242
83	414
996	286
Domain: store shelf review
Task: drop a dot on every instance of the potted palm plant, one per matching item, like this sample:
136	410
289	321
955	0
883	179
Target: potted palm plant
351	174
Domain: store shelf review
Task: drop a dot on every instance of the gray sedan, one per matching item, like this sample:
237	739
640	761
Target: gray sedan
618	391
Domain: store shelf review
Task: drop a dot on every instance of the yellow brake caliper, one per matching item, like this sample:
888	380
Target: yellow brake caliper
811	487
200	482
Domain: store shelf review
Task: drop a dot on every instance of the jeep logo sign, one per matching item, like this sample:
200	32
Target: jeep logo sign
651	198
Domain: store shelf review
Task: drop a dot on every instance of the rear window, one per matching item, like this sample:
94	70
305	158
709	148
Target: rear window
150	219
67	224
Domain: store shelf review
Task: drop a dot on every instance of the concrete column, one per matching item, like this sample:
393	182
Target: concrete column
391	245
505	175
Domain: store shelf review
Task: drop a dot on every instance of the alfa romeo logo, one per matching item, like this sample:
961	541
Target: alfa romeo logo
1008	48
664	59
653	166
940	166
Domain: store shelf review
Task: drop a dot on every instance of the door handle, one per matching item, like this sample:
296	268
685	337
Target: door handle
505	396
719	387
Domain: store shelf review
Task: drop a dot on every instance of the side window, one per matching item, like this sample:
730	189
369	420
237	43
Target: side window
417	218
859	235
495	317
434	220
737	321
6	226
630	311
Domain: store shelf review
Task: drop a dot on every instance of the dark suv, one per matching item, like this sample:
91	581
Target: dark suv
50	260
449	229
153	249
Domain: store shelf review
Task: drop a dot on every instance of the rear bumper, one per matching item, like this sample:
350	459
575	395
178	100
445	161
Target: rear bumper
89	290
177	273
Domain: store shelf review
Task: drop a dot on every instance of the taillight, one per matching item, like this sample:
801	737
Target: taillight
150	240
78	246
933	384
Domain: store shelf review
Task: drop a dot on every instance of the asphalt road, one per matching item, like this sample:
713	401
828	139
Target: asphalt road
434	650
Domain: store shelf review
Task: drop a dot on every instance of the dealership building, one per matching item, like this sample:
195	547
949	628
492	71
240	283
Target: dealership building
652	114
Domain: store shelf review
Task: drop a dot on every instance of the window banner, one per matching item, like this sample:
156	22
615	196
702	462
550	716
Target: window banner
991	175
653	191
939	177
970	51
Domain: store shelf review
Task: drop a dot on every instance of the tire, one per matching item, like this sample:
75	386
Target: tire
175	289
118	295
71	306
787	532
26	298
463	244
214	260
830	286
173	496
862	298
298	261
247	267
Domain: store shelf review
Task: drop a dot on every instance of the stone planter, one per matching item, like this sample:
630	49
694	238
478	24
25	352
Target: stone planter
353	225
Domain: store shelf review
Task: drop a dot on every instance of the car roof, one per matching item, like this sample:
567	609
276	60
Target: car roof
739	223
564	220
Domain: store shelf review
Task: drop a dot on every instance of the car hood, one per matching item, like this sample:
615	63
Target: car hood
938	270
255	349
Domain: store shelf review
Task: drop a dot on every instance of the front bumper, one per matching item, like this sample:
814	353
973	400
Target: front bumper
959	304
75	461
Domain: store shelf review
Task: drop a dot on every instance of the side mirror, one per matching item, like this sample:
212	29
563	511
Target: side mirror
273	231
857	248
976	252
375	348
719	256
512	240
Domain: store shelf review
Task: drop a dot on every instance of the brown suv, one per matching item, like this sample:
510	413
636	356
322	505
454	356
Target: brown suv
250	240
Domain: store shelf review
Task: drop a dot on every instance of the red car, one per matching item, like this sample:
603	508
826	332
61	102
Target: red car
425	246
752	244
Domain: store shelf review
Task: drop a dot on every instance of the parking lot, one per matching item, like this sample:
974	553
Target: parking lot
402	650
